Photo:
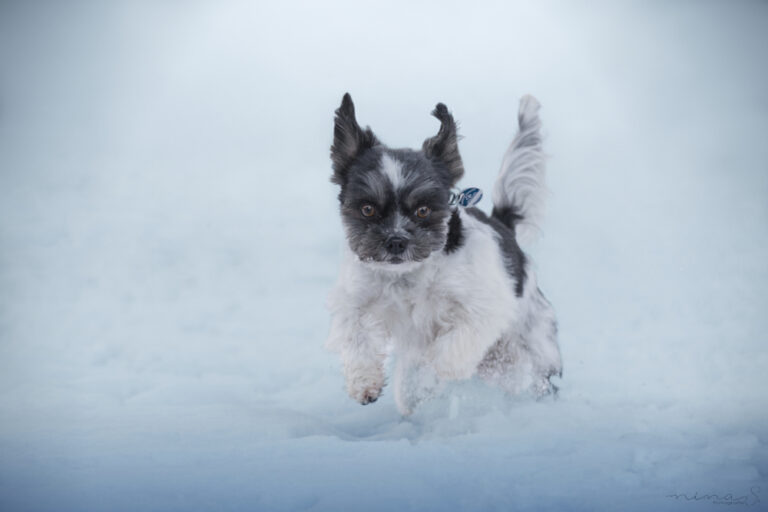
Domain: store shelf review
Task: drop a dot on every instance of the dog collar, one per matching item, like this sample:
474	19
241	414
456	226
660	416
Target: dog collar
465	198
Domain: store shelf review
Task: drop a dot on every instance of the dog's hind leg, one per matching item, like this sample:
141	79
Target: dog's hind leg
527	356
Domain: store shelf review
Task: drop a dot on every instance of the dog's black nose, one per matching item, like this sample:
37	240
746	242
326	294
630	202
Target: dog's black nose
397	245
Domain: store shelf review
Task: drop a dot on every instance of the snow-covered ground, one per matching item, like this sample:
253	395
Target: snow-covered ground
168	235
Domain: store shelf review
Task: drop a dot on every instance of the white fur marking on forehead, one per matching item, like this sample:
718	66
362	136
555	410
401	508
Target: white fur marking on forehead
399	223
392	169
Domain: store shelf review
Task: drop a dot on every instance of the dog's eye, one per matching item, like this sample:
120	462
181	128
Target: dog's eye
423	211
367	210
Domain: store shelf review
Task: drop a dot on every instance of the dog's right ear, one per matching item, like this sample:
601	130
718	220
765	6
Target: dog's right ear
349	140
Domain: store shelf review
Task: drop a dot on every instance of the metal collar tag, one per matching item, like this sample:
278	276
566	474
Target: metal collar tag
466	198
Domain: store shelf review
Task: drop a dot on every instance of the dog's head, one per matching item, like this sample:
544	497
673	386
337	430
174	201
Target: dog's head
394	202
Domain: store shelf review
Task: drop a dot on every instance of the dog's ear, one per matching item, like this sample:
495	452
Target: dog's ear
349	140
444	146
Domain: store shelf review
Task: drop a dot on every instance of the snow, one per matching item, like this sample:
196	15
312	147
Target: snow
168	235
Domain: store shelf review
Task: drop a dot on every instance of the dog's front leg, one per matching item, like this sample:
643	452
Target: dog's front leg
362	344
414	382
364	371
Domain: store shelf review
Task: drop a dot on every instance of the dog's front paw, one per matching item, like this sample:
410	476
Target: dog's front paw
365	387
364	381
366	395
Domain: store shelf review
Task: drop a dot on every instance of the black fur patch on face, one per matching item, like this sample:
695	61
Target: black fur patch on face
514	258
419	184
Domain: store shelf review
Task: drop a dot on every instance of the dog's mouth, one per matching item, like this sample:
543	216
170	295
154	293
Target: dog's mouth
393	263
388	260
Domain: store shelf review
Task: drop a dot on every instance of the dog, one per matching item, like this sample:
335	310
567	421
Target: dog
444	290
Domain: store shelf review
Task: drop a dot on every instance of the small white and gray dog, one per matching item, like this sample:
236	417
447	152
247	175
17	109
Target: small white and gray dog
444	290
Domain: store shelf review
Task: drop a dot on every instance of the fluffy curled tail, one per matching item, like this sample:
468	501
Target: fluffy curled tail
518	194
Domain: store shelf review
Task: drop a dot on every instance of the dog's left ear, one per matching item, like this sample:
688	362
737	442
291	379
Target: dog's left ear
349	140
444	146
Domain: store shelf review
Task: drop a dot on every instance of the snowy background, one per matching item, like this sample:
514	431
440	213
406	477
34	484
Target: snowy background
168	235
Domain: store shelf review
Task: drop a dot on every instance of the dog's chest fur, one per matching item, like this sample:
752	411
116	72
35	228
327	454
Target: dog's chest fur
416	307
448	290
